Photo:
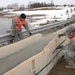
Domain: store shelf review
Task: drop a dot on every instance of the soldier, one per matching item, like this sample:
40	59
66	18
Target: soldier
69	53
16	28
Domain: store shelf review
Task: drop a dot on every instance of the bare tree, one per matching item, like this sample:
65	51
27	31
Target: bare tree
15	5
22	7
9	6
64	5
29	4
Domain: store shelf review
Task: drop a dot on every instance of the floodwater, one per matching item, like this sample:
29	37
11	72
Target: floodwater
5	25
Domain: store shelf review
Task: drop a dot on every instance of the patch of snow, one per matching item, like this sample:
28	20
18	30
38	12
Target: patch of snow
49	15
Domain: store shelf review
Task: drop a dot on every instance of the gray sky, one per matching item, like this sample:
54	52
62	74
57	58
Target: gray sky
25	2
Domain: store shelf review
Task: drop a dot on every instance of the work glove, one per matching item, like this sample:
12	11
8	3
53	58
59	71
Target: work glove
30	34
59	35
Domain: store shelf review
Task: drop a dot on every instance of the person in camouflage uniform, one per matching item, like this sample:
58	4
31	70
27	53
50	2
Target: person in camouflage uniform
69	49
16	28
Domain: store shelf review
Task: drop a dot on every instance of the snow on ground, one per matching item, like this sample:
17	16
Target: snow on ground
49	15
35	21
43	21
8	10
46	12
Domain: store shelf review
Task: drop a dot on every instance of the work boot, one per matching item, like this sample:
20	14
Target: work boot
70	67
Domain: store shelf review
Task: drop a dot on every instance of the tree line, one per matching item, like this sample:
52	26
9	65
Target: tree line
32	5
37	4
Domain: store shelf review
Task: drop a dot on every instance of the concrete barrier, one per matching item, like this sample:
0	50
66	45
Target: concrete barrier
13	48
43	62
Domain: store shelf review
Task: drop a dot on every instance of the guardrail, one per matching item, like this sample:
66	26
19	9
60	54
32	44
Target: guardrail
8	37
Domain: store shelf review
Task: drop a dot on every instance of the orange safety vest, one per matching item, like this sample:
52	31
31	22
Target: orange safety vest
19	23
73	38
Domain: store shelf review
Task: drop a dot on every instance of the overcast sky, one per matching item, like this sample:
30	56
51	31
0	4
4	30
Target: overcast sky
25	2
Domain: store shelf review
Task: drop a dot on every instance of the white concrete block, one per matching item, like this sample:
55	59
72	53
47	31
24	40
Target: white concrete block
12	48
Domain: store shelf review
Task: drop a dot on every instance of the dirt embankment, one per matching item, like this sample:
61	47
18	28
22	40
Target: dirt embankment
59	69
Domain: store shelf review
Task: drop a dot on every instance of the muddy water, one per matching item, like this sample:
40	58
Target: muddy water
5	25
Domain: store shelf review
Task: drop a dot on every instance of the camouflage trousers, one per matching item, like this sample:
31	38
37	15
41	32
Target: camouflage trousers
18	35
70	57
